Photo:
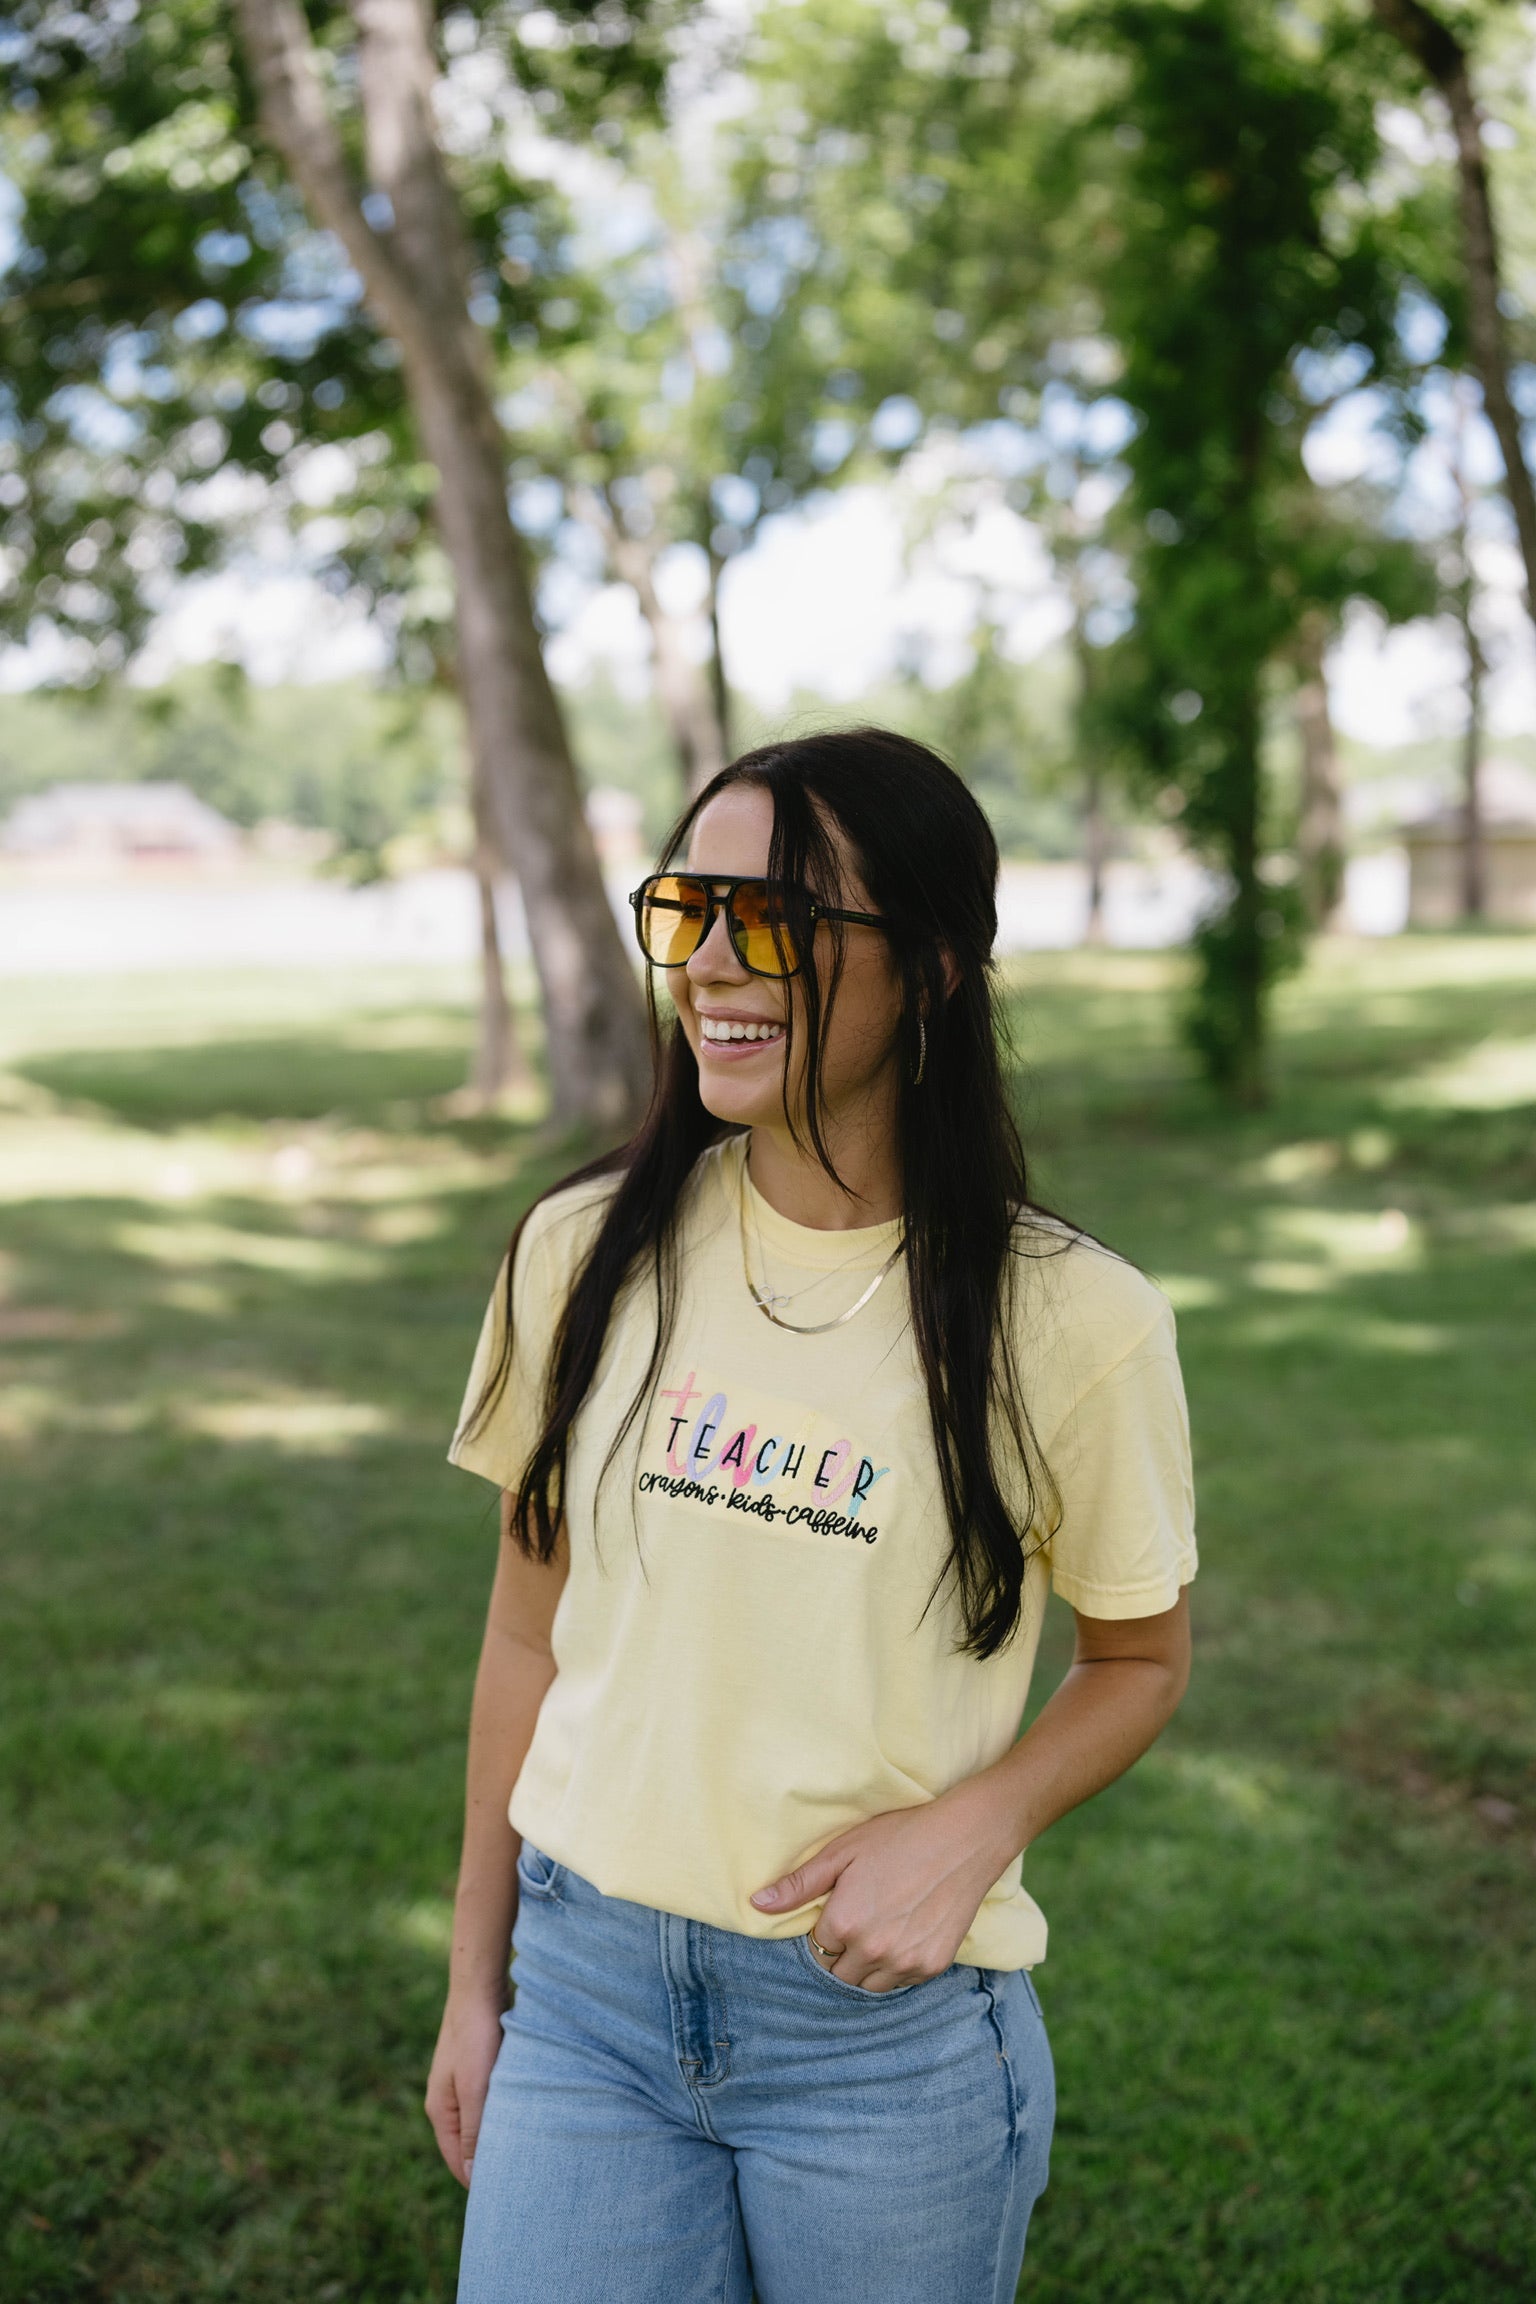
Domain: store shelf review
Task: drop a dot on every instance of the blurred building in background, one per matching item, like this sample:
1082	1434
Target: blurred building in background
1436	846
88	826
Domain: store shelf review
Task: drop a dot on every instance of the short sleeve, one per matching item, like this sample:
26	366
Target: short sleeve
503	1411
1125	1541
501	1416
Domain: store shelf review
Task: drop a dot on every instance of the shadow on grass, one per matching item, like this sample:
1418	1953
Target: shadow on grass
1291	1976
296	1076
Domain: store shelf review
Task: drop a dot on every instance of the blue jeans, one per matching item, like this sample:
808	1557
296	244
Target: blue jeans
683	2115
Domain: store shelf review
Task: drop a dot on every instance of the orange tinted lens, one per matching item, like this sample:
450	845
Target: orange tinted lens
760	931
672	920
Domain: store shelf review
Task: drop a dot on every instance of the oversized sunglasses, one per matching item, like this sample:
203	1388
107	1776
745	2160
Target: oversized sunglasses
771	924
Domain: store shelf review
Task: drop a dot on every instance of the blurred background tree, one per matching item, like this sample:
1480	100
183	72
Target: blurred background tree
1438	42
1248	279
629	436
1114	263
177	327
700	271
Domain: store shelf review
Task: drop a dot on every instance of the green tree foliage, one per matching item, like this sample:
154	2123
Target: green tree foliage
169	320
176	337
1438	44
395	129
1121	257
366	764
898	239
362	764
1124	258
1247	280
628	429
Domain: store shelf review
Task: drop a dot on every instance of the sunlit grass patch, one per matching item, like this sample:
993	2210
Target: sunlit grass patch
197	1245
1257	1796
1511	1225
1338	1332
1339	1242
1192	1291
198	1708
1301	1163
426	1926
1501	1550
1496	1075
306	1427
1291	1971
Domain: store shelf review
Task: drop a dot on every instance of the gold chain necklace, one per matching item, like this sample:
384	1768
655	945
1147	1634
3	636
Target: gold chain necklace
776	1296
766	1299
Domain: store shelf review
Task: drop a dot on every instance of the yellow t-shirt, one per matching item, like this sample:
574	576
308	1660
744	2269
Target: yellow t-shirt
743	1663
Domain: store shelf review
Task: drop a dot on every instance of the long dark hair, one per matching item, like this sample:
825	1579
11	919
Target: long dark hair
927	857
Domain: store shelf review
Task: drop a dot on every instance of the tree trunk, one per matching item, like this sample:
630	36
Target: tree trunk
1095	830
1226	1017
499	1059
1474	860
682	683
1251	920
415	270
1474	855
1320	830
1095	848
1442	57
719	686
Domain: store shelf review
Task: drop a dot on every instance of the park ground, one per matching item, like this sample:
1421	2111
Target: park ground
244	1244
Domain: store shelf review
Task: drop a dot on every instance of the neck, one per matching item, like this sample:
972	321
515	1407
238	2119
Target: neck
863	1147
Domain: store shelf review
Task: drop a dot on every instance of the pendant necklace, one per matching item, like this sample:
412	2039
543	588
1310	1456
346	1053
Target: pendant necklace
766	1298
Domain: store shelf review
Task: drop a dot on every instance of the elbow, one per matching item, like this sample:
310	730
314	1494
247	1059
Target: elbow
1176	1671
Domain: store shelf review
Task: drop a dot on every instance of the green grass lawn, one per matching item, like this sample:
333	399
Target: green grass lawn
1292	1985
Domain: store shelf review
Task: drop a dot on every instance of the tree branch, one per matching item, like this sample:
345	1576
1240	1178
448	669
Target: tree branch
297	118
1435	47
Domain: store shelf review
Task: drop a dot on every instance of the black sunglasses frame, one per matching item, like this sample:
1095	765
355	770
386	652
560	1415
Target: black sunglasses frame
720	896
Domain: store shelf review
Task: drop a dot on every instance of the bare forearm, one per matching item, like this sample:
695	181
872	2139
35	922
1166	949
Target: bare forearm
510	1685
1102	1718
902	1889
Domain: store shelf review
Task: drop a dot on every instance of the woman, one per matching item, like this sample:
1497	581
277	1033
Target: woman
798	1405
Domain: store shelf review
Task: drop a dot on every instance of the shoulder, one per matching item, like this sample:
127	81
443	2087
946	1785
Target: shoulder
1080	1310
1097	1284
559	1230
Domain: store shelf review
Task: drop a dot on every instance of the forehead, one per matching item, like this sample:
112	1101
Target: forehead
732	835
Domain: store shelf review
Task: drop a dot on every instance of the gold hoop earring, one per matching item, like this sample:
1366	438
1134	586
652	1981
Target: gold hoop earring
922	1052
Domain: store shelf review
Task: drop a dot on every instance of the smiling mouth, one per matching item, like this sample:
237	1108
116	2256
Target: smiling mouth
716	1031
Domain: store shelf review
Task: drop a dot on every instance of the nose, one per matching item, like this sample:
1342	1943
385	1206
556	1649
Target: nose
716	960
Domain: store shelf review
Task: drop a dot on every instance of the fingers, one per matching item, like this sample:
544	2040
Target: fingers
875	1966
469	2133
442	2109
815	1877
843	1956
460	2079
848	1962
455	2114
852	1966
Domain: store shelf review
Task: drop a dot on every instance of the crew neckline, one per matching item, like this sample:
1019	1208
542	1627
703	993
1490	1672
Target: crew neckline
811	1246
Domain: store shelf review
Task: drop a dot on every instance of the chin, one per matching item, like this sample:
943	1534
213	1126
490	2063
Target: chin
739	1103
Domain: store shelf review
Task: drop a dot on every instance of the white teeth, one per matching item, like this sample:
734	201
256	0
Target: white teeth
716	1028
